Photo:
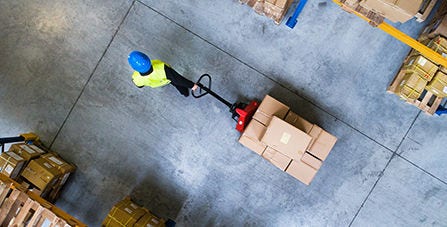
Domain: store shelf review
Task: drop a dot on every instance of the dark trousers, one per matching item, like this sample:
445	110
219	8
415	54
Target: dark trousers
178	81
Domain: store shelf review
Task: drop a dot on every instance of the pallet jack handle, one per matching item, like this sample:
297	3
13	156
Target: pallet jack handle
208	90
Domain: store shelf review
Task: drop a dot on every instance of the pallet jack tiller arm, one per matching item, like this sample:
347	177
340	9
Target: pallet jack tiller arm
241	112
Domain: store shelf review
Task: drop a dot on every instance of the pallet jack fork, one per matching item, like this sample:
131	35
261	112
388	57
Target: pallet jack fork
27	137
241	112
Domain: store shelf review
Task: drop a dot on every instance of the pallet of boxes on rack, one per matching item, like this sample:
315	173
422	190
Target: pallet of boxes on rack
287	140
273	9
395	11
421	82
128	213
43	172
21	207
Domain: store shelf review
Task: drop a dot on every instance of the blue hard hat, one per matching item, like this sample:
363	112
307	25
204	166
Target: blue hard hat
140	62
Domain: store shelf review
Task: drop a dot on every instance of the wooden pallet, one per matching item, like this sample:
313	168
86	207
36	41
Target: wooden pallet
21	207
427	102
425	10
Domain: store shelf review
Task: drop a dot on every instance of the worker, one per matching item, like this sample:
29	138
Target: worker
155	73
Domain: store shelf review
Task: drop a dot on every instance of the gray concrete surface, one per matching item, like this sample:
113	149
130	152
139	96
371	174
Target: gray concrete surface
64	75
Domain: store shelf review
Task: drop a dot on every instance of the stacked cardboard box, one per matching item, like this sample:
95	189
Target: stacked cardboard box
27	151
127	213
48	173
393	10
288	141
421	82
417	72
11	164
274	9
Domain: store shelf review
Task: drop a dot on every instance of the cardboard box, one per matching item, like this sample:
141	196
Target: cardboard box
311	161
438	44
124	213
420	65
322	143
56	161
438	86
301	171
286	139
150	220
394	10
26	151
276	158
268	108
251	138
299	122
41	174
11	164
411	86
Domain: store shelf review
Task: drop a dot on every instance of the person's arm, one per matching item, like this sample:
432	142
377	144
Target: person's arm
177	79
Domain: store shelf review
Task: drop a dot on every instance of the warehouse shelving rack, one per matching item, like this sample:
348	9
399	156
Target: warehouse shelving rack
427	102
401	36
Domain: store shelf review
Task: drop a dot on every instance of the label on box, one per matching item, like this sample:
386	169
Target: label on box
422	61
65	178
9	169
46	223
134	206
128	210
56	160
444	90
36	148
46	164
15	156
27	149
285	138
402	83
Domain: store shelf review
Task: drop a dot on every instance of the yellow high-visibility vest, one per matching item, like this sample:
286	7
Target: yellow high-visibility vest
156	78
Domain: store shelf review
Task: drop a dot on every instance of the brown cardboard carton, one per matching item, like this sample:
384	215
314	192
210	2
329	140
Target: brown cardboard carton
411	86
276	158
299	122
301	171
41	173
311	161
251	138
56	161
286	139
268	108
420	65
438	44
394	10
26	151
322	143
11	164
438	86
149	220
124	213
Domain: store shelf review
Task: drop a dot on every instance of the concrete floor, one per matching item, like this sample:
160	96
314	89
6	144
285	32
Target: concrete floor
64	75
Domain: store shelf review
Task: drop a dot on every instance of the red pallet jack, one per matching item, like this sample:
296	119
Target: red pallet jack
241	112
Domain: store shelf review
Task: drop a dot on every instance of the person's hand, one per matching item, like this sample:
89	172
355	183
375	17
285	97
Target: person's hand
195	87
